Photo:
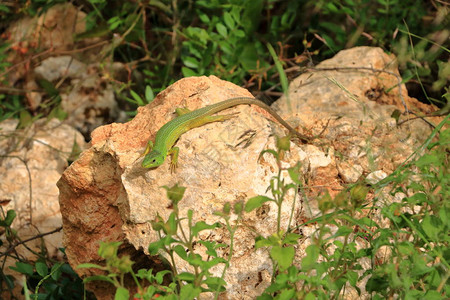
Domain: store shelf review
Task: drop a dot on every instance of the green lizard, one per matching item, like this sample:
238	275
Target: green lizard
168	134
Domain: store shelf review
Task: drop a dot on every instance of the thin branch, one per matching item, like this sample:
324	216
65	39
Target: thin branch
30	239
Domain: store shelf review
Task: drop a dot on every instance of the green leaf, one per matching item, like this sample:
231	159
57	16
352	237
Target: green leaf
417	198
264	297
405	248
228	19
256	202
343	231
188	72
171	224
283	78
49	88
248	57
75	152
122	294
23	268
238	207
444	215
58	113
10	216
252	15
396	115
149	95
56	271
332	8
203	17
202	225
294	173
222	30
263	242
426	160
283	143
291	238
211	247
188	291
310	296
25	119
310	260
273	152
160	276
181	251
419	266
4	8
352	278
137	98
108	250
41	268
377	283
154	247
284	256
9	280
432	295
239	33
189	277
287	294
215	283
212	262
432	226
175	193
228	49
191	62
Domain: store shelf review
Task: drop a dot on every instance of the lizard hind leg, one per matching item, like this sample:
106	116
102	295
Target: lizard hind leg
182	111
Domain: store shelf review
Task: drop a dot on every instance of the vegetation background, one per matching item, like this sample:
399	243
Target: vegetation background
261	45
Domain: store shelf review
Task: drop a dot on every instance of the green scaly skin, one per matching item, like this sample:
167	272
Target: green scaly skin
169	133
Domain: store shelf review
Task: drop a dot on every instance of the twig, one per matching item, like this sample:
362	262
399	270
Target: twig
30	186
30	239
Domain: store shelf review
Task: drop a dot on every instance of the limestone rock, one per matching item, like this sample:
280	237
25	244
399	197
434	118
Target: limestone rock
31	162
53	29
107	196
376	176
87	94
352	109
54	68
350	173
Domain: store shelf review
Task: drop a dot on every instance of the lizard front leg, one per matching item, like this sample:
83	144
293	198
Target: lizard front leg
148	148
174	161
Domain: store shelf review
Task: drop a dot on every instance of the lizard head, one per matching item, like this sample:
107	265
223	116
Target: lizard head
153	159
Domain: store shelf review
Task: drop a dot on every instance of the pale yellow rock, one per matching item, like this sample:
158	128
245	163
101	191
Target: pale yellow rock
32	160
107	196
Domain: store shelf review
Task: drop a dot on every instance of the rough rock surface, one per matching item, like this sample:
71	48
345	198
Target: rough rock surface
352	109
114	197
84	86
31	162
107	196
89	98
53	29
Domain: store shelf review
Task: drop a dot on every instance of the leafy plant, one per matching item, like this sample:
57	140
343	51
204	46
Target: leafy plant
44	278
408	257
417	236
173	241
